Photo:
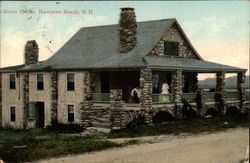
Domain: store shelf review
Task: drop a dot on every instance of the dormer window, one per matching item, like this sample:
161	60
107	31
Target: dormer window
171	48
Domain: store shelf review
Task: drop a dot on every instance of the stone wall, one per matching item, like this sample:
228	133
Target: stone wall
220	92
241	85
25	97
146	88
173	35
54	97
200	102
177	91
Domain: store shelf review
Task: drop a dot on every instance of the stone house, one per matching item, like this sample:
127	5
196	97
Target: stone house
89	79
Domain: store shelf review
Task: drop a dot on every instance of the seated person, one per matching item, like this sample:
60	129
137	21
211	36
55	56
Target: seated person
136	94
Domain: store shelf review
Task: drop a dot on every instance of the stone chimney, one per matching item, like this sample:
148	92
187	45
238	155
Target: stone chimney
31	51
127	30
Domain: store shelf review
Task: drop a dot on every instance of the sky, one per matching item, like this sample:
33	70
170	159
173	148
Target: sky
218	30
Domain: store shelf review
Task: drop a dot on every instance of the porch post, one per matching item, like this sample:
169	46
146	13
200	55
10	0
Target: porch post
241	86
86	104
220	92
146	88
177	92
87	82
54	97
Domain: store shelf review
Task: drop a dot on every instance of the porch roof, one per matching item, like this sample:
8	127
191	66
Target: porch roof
184	64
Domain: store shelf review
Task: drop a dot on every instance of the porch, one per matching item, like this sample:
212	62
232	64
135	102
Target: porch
108	95
183	87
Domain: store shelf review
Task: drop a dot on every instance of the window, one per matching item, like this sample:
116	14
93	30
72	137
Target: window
31	111
12	81
12	114
171	48
70	82
155	83
39	81
71	113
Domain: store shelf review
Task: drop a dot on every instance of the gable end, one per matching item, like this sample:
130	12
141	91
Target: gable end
175	34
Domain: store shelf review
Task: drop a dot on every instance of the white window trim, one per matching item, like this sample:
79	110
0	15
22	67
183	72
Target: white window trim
67	113
9	81
10	114
66	83
36	81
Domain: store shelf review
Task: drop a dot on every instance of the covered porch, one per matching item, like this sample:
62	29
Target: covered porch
180	75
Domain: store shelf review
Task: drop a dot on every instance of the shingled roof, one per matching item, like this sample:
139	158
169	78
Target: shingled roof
97	48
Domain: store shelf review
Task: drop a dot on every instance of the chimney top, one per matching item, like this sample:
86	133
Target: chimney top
127	30
127	8
31	51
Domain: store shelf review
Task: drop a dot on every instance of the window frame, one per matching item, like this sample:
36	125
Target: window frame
40	82
158	79
10	114
10	81
70	112
67	82
171	42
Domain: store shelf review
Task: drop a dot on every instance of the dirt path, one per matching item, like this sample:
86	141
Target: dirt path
222	147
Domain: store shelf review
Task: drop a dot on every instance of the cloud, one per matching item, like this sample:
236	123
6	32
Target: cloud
47	32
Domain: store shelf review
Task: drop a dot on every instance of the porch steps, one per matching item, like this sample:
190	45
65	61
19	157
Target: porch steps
101	125
102	120
98	130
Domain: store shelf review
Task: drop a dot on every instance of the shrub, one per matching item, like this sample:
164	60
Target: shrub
66	128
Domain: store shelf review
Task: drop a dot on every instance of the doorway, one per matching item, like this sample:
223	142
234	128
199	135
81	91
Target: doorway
40	114
105	80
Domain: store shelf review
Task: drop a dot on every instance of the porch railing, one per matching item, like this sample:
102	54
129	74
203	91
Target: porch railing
189	96
101	97
162	98
209	96
232	95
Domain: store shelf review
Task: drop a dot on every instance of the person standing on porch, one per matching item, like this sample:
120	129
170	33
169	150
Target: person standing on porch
136	94
165	92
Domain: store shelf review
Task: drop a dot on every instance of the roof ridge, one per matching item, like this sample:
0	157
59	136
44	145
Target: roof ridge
147	21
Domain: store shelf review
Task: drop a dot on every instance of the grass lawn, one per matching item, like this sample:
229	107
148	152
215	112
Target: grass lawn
186	126
29	145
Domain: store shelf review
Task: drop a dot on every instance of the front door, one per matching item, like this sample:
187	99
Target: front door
40	114
105	82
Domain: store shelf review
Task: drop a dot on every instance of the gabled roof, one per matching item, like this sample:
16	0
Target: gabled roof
97	48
